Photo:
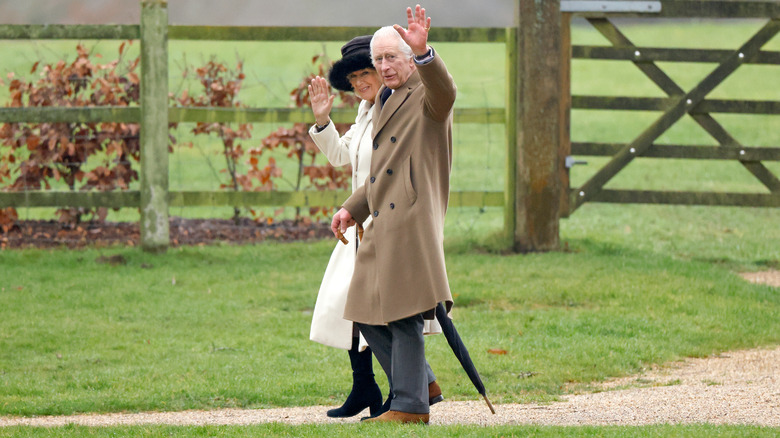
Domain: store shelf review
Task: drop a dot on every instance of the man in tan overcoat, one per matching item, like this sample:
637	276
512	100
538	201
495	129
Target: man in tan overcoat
400	274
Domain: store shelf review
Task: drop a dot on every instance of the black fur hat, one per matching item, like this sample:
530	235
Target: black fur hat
355	55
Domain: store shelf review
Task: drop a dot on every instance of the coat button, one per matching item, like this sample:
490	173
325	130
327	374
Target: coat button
389	171
376	146
372	180
392	206
376	213
392	139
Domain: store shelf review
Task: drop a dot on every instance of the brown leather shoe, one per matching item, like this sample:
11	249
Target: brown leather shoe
399	417
434	393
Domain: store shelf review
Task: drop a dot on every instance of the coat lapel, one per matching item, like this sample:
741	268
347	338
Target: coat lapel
383	113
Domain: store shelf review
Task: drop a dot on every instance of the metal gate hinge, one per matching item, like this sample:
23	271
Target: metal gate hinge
571	162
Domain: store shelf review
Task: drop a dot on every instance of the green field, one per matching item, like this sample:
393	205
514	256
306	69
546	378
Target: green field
227	326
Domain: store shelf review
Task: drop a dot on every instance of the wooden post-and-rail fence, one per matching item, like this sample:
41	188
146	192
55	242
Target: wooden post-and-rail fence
536	115
154	115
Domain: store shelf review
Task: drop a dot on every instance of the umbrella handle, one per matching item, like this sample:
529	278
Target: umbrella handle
490	405
344	239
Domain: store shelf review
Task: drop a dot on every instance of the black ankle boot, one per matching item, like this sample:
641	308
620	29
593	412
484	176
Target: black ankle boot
365	392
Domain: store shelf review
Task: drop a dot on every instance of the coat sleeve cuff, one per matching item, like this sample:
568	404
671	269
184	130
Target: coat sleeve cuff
357	205
425	59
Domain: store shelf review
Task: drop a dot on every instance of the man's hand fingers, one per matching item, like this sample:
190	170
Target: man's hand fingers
339	226
335	225
401	31
342	238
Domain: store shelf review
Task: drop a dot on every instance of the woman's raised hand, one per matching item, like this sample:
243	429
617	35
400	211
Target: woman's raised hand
321	100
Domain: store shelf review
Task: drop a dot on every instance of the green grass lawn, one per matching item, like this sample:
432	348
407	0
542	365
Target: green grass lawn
205	327
227	326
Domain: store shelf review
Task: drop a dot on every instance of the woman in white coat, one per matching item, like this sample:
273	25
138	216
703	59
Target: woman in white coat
353	72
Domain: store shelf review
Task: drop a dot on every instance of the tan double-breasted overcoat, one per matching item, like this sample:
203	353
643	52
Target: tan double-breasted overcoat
400	269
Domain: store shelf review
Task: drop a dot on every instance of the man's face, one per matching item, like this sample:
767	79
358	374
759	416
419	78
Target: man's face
392	65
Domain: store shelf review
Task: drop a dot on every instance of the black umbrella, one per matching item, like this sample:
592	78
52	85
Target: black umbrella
456	343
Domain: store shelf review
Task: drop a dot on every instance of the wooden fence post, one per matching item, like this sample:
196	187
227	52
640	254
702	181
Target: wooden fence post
564	108
539	119
154	125
510	126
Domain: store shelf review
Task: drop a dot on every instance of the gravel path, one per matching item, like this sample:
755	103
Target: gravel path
741	387
770	277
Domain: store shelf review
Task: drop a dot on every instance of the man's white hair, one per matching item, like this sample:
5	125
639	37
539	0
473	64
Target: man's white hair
390	32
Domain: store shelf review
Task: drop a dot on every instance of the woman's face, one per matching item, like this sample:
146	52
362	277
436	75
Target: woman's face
366	83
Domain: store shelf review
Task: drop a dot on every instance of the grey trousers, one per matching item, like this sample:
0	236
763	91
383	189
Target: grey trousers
400	349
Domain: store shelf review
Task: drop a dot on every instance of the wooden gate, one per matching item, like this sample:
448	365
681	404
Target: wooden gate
693	102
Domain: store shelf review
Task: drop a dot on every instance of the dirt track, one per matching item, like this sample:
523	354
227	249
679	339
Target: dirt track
734	388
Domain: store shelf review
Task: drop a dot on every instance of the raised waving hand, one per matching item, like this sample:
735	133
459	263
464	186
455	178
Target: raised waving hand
416	32
321	100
